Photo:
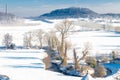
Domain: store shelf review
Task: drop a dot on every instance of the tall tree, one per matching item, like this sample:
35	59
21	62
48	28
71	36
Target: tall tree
52	41
64	28
85	52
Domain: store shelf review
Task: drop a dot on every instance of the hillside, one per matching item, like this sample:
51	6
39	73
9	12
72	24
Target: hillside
112	15
72	12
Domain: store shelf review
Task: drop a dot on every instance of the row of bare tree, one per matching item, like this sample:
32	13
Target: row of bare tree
7	41
55	40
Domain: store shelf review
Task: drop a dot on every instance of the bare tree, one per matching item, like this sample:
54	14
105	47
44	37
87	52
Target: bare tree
28	39
7	40
64	29
67	46
52	40
39	35
85	52
76	60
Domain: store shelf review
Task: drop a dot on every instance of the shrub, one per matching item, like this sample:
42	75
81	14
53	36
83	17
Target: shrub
86	69
83	67
12	46
114	55
104	59
91	61
46	61
117	29
100	71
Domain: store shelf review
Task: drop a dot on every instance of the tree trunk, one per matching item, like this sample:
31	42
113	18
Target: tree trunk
61	47
65	56
76	62
40	43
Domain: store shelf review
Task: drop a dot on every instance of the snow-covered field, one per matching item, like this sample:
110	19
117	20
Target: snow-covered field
27	64
101	41
18	31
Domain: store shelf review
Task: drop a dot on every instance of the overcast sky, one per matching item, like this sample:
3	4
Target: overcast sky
25	8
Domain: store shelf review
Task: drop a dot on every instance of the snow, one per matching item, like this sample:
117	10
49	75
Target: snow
18	31
87	77
27	64
101	41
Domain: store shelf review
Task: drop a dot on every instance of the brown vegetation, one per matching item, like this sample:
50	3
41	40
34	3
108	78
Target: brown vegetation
114	55
47	61
100	71
91	61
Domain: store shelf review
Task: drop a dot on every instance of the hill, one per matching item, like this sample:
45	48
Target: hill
112	15
72	12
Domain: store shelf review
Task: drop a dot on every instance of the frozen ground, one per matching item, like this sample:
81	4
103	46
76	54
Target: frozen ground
27	65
